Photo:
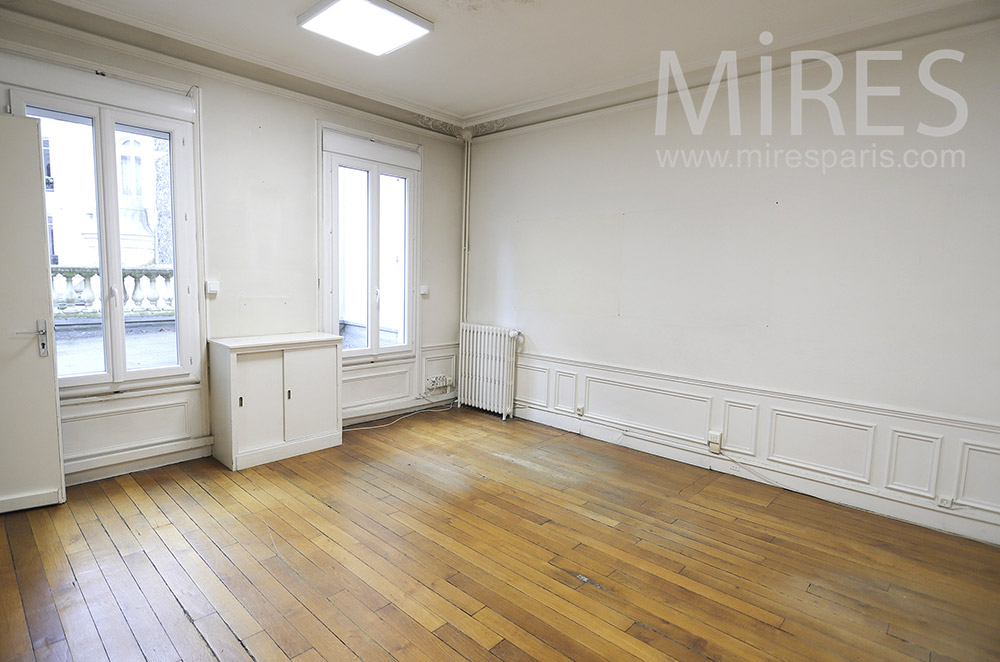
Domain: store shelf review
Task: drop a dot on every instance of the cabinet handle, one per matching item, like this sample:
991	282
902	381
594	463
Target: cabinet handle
241	400
289	394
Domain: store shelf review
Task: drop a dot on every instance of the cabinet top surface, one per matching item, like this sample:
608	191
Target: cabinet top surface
276	340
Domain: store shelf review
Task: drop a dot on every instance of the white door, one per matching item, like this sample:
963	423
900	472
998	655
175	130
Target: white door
31	469
258	407
310	392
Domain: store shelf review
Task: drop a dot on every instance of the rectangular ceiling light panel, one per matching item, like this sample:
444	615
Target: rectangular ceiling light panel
375	26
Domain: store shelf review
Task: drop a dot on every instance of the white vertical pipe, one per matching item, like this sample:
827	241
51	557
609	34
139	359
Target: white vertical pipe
466	198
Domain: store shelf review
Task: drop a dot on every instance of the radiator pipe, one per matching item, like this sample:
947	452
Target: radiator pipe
466	194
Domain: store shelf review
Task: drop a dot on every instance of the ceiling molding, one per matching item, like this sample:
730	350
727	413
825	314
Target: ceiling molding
515	128
47	55
152	27
75	19
86	18
440	126
917	19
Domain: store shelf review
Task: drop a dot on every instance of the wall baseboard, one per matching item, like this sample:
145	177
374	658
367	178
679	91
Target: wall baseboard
25	501
894	463
113	464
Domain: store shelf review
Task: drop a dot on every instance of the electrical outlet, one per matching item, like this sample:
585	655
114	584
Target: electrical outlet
579	411
438	381
715	442
945	502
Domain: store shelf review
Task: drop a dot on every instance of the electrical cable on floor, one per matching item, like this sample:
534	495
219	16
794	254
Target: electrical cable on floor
764	478
412	413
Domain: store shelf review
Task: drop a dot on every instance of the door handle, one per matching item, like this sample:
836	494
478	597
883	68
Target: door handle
42	333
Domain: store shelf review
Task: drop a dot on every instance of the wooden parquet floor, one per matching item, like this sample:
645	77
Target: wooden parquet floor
455	536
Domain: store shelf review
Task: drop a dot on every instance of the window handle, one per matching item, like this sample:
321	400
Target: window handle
376	296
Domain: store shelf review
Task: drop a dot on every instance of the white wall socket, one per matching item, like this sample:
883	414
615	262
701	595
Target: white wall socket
579	411
715	442
945	502
438	381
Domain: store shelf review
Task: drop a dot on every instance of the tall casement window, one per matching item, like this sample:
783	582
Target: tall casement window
370	191
119	200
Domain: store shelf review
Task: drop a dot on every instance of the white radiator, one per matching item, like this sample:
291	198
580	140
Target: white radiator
486	360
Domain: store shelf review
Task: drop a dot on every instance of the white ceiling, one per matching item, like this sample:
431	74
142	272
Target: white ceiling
490	59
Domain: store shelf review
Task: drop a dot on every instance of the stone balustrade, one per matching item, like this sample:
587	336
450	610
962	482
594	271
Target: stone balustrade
145	291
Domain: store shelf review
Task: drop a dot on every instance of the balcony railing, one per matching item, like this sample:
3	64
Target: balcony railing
145	291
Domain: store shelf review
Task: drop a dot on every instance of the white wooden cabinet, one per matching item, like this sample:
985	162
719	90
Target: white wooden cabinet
274	396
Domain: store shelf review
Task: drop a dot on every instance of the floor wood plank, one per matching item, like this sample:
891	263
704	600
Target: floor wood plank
458	536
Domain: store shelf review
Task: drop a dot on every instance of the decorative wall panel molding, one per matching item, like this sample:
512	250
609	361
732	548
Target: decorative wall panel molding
739	427
85	435
979	476
108	436
565	399
440	365
532	385
885	461
832	446
369	387
989	427
683	416
913	463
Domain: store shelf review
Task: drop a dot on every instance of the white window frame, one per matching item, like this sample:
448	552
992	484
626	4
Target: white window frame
116	376
378	157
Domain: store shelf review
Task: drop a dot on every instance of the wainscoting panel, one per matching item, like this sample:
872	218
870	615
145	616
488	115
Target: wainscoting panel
440	360
86	435
439	365
108	436
913	463
836	447
565	400
739	428
533	385
682	416
375	391
895	462
368	386
979	480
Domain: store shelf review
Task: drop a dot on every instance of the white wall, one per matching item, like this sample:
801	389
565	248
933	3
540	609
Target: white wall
667	301
261	220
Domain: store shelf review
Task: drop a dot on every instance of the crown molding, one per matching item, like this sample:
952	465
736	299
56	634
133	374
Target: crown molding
119	22
87	19
700	80
87	38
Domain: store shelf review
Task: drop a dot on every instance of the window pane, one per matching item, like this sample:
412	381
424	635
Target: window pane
146	233
392	260
74	244
353	218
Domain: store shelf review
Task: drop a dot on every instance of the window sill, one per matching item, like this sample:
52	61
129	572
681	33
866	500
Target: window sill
382	359
99	392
